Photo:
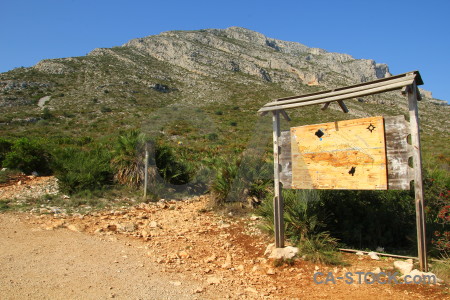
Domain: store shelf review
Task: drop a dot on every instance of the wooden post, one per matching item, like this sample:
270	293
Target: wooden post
278	206
418	188
146	172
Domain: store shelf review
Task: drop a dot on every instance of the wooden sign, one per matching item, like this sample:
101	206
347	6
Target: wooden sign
340	155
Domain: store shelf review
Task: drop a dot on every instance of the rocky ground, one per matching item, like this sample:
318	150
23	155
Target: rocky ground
169	249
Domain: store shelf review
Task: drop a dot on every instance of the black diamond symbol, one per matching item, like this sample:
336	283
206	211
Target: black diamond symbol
371	127
319	133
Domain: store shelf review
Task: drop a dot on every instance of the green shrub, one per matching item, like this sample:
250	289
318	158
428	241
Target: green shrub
5	147
46	114
212	136
6	175
304	225
27	156
238	179
78	170
170	167
221	187
129	158
4	205
321	248
442	269
105	109
437	204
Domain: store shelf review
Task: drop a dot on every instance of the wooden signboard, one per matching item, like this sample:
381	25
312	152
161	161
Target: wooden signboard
340	155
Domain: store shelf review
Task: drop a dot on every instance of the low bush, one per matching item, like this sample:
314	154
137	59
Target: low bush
171	168
304	225
5	147
238	179
221	186
78	170
128	162
28	156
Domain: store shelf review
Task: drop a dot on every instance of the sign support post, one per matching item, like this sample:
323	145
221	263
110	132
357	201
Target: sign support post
278	195
418	186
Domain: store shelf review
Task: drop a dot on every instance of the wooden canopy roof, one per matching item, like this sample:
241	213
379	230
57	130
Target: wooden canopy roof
340	94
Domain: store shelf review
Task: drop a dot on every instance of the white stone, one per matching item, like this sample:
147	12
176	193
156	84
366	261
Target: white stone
213	280
373	255
287	252
405	267
377	270
153	224
254	218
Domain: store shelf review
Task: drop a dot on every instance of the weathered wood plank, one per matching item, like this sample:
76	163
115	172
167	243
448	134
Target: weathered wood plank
398	152
418	183
278	206
365	92
340	155
405	79
285	159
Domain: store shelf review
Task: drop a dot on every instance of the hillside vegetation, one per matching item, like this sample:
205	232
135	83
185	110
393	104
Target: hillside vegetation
192	97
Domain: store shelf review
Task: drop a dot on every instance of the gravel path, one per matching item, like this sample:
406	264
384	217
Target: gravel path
61	264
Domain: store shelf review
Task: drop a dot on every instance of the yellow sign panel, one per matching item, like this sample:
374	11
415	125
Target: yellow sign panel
340	155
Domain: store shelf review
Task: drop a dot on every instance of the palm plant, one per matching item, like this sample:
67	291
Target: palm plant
221	187
304	225
128	158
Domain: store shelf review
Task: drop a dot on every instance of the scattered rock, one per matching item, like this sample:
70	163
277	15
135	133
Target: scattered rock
76	227
228	262
153	224
270	271
377	270
240	268
251	290
183	254
213	280
360	253
126	227
287	252
373	255
405	267
210	259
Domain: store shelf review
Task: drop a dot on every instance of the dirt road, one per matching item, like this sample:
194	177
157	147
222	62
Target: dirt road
61	264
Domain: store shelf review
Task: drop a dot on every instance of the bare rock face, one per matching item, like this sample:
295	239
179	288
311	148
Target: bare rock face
218	52
52	66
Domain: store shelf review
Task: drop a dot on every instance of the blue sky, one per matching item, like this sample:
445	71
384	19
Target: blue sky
407	35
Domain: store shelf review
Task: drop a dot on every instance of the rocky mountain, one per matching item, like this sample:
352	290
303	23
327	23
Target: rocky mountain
212	69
